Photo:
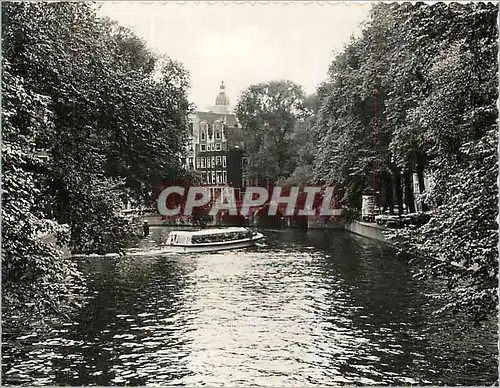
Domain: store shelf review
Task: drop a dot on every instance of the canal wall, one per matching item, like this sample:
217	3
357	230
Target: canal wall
320	223
310	223
367	229
158	220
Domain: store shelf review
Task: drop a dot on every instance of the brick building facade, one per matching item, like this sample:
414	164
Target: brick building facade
212	149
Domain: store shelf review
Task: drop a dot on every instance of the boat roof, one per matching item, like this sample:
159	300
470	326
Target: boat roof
204	232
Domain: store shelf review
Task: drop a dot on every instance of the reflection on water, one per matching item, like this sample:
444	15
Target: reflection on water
323	308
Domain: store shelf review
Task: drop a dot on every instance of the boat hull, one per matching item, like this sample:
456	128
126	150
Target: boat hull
198	248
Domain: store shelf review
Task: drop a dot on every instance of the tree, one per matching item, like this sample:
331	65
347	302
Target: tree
346	155
456	126
305	142
268	113
110	114
34	275
118	110
429	89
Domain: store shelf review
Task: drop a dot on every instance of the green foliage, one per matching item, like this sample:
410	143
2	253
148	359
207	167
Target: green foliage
305	142
459	243
34	275
111	116
425	78
351	118
456	126
268	113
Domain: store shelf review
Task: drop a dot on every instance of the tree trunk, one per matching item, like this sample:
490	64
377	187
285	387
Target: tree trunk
421	183
409	199
396	176
389	192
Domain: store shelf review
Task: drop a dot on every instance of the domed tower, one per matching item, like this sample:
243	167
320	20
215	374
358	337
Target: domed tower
222	101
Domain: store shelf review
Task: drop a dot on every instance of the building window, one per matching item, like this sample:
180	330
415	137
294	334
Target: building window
209	165
219	178
202	135
197	162
203	163
224	176
217	160
217	135
217	147
224	161
212	146
213	161
213	177
203	147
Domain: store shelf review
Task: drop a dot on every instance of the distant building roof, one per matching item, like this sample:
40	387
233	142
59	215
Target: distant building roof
210	117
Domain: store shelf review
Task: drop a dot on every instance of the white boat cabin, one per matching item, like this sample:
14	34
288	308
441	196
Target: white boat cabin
210	236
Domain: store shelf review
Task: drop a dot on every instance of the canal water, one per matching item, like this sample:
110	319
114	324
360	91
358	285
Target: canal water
315	308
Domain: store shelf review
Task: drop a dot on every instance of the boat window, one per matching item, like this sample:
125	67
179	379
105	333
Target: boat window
221	237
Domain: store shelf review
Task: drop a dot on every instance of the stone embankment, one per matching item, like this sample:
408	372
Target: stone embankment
367	229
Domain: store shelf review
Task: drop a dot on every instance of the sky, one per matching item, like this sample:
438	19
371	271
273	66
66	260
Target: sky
243	43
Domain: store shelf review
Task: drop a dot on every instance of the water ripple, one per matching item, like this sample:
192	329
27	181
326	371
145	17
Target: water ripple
315	309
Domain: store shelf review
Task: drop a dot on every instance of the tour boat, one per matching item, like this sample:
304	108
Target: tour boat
209	240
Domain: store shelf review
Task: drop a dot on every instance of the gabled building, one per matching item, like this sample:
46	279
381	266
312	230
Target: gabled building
211	150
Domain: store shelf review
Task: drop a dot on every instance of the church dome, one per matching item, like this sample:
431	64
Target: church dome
222	98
